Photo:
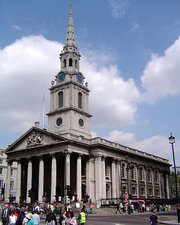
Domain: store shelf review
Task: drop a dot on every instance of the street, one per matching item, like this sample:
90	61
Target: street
123	219
119	220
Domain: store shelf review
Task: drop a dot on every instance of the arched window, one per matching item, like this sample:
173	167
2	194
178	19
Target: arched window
142	191
123	170
123	190
156	177
150	191
157	192
70	62
60	96
149	175
76	63
133	190
64	62
141	173
132	173
80	100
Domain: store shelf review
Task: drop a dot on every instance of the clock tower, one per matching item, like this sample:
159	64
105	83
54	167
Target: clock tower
69	94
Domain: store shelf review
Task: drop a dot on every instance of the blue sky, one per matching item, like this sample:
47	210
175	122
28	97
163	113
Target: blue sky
130	58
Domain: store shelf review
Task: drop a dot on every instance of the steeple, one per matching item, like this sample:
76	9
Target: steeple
69	101
70	30
69	57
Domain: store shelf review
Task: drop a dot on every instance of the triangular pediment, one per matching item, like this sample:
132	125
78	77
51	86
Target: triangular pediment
33	138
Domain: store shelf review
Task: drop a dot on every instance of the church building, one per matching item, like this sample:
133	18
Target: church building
64	160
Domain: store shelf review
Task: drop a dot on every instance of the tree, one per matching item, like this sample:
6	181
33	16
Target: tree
173	185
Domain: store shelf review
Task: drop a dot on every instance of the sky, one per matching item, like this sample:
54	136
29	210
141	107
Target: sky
130	57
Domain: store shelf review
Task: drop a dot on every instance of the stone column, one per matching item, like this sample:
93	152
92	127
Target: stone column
18	183
79	181
129	178
137	180
153	182
41	180
53	178
87	177
117	180
160	187
67	169
113	169
91	179
8	182
29	180
120	184
146	182
98	179
167	186
103	178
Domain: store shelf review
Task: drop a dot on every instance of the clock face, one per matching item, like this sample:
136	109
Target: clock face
61	77
79	78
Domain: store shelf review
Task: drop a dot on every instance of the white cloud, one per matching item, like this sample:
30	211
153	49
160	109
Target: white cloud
118	8
156	145
112	99
121	137
27	67
161	75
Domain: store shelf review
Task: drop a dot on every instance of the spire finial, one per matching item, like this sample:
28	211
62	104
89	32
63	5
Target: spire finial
70	10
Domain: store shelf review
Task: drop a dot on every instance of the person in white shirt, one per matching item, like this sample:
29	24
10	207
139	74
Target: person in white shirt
36	218
12	218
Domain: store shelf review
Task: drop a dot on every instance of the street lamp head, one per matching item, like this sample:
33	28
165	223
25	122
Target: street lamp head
171	139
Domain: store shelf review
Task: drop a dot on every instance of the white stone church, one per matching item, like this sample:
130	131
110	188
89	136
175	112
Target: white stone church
66	157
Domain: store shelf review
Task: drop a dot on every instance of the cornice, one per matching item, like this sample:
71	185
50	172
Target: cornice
67	109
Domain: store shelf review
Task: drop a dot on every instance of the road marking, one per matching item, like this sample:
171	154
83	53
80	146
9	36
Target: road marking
119	224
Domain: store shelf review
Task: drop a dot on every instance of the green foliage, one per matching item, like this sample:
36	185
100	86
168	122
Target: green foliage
173	185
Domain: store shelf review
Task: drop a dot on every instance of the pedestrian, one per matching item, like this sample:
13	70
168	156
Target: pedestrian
122	207
153	218
51	218
82	217
91	206
28	220
5	215
63	218
118	209
72	219
129	208
21	216
132	208
36	217
12	218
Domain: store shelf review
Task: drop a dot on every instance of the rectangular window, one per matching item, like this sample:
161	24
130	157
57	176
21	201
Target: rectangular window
12	185
1	161
11	172
1	183
1	170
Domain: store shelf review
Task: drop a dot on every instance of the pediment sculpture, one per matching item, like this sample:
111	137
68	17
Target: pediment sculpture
34	139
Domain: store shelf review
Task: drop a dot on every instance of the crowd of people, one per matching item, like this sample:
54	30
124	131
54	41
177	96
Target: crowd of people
30	214
130	207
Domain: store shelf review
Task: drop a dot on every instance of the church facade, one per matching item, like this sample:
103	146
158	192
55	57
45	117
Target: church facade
65	160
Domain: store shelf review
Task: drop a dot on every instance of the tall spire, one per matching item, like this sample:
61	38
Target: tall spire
70	30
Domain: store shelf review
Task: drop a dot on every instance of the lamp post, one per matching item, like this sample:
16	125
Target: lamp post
172	141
